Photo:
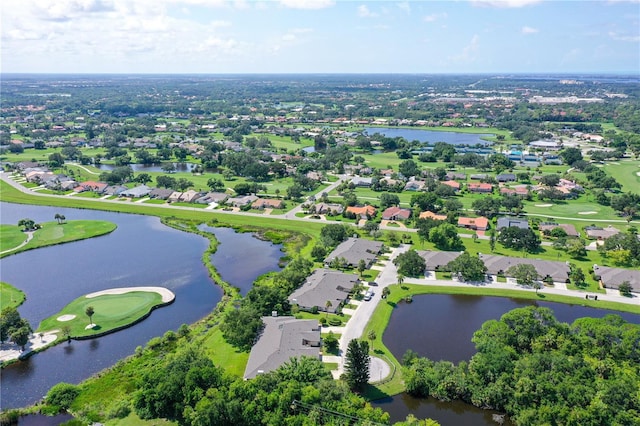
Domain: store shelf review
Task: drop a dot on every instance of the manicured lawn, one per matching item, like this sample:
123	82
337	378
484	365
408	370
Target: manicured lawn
572	209
625	172
111	311
10	296
223	354
11	236
53	233
308	315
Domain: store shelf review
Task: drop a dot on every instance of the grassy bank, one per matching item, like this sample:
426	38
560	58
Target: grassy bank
52	233
112	312
10	296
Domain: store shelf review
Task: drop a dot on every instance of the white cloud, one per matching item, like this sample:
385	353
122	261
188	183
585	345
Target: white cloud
468	53
504	3
307	4
434	17
220	24
364	12
529	30
404	6
621	37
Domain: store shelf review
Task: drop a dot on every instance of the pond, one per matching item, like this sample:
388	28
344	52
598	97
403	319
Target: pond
140	252
432	136
440	327
264	257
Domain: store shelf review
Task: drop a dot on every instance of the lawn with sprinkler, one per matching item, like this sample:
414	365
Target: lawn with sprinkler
106	311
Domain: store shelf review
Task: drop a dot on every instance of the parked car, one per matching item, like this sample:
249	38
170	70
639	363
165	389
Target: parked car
368	295
373	284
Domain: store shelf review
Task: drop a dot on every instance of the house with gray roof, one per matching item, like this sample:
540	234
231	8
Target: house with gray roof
355	249
321	286
326	208
498	265
281	339
613	277
213	197
507	222
436	260
241	201
362	181
137	192
161	193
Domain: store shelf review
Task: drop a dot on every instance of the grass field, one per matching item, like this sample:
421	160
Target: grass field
10	296
53	233
625	172
111	311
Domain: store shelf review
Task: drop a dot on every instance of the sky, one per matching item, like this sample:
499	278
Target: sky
319	36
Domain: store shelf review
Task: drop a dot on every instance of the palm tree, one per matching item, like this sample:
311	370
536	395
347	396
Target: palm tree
385	292
400	278
327	306
57	218
371	336
89	311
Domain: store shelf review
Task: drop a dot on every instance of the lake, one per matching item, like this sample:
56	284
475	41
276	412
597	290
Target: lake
140	252
431	136
440	327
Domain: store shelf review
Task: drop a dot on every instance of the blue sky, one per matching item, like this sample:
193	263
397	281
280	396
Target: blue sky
320	36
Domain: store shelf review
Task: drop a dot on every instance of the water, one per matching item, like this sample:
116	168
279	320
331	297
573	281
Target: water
140	252
261	256
445	323
440	327
431	136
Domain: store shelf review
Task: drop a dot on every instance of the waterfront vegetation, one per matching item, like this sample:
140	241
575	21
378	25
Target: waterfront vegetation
10	296
111	312
51	233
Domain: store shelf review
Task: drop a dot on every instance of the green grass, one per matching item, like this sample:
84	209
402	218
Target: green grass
112	311
53	233
625	172
11	236
224	354
308	315
10	296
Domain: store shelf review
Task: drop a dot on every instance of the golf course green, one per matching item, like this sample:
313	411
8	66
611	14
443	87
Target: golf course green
113	310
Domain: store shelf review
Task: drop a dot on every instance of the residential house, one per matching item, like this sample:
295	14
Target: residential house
97	187
362	181
453	184
478	176
476	223
507	222
327	208
190	196
432	215
598	233
456	176
137	192
436	260
520	191
242	201
160	193
355	249
414	185
568	228
322	286
506	177
364	212
396	213
546	145
213	197
499	265
115	189
613	277
480	187
267	203
281	339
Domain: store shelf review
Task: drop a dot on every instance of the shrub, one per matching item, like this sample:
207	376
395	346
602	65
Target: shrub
335	322
62	395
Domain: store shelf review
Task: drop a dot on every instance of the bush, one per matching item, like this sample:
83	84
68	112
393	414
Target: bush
335	322
323	321
62	395
120	410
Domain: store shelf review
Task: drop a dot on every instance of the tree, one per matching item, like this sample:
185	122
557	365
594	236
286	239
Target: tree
371	337
330	342
445	237
575	248
334	233
89	312
492	240
519	239
28	224
166	181
408	168
386	291
469	268
410	264
571	155
318	252
399	278
20	336
216	184
550	180
387	200
487	206
143	178
356	366
524	273
60	218
327	305
362	266
625	288
56	160
577	276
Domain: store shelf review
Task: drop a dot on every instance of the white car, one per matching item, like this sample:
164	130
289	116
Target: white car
368	295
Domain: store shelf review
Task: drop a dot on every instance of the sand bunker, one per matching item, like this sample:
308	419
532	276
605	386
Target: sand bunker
90	326
638	173
65	317
544	205
167	295
587	212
